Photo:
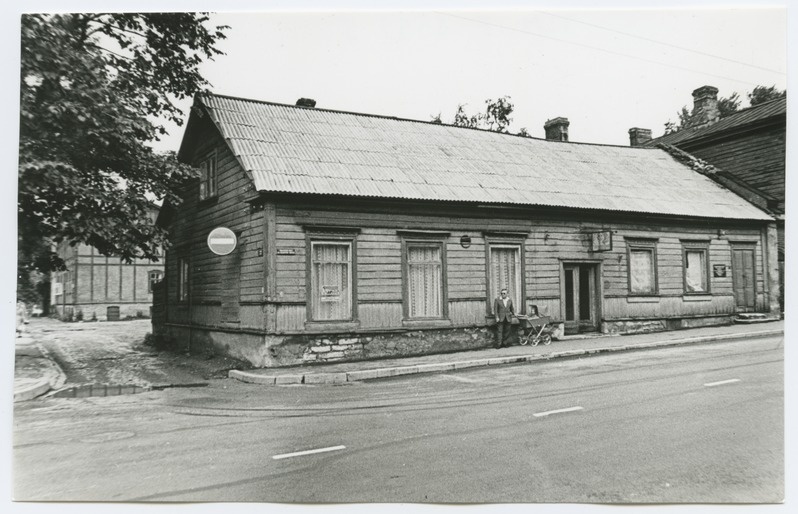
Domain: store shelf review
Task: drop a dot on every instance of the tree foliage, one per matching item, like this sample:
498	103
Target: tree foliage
91	86
726	106
495	117
762	94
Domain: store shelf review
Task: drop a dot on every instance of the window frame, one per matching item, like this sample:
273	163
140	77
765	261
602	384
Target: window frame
209	177
183	283
509	240
428	242
349	239
696	246
649	245
150	282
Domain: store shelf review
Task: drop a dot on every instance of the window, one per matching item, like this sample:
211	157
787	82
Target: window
642	256
208	177
331	280
155	277
424	279
182	280
505	272
696	267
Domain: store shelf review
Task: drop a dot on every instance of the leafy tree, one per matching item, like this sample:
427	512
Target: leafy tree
91	86
726	106
496	116
762	94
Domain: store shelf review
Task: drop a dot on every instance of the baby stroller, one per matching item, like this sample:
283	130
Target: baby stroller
536	328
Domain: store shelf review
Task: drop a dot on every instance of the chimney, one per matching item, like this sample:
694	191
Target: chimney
705	106
557	129
306	102
639	136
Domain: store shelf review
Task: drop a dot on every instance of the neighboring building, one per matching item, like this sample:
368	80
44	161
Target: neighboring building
362	236
747	147
96	287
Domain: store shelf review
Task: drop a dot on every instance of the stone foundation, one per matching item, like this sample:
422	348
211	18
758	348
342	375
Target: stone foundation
386	345
661	325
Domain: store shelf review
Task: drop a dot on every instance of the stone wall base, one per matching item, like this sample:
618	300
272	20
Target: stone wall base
660	325
271	351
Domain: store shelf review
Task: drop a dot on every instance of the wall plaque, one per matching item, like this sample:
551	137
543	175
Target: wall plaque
601	241
719	270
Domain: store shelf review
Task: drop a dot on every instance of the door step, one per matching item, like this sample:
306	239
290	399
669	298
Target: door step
752	317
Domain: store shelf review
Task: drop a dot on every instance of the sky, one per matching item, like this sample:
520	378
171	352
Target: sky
606	71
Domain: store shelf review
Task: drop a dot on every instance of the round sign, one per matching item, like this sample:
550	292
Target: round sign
222	241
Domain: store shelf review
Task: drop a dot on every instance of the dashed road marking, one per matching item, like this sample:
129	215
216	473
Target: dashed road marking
308	452
558	411
722	382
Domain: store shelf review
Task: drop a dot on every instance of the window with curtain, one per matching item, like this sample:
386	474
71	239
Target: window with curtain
331	280
424	281
505	272
642	269
696	272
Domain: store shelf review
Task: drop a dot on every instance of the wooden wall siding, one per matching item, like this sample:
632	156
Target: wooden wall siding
195	220
758	158
546	306
667	306
290	318
380	315
548	244
251	317
465	312
466	274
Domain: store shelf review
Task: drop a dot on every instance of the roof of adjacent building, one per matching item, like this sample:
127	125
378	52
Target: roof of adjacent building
316	151
739	119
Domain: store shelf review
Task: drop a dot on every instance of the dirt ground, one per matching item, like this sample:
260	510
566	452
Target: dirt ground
116	353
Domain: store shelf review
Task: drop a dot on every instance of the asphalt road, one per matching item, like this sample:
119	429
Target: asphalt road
698	424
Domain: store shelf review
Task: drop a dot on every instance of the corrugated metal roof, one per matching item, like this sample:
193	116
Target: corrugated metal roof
738	119
300	150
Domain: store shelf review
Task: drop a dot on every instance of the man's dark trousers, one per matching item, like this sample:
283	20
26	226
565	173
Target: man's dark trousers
503	331
504	321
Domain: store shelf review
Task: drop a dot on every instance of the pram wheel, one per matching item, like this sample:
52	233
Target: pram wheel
546	338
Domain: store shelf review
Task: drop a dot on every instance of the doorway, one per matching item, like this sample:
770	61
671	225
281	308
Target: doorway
743	279
580	297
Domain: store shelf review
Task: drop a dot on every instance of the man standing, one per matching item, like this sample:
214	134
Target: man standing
504	312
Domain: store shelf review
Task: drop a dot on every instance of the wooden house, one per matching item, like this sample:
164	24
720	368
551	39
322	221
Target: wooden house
100	288
747	148
362	236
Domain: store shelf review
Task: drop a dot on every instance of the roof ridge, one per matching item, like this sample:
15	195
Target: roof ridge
410	120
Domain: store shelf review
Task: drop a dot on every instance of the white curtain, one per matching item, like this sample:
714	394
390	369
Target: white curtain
504	273
641	271
695	272
331	293
425	284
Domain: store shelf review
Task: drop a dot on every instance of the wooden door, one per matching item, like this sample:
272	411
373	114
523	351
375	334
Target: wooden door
579	298
744	278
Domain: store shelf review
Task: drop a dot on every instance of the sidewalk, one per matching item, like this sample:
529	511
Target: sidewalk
36	372
571	346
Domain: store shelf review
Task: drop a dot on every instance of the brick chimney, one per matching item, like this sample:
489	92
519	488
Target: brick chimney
557	129
705	106
306	102
639	136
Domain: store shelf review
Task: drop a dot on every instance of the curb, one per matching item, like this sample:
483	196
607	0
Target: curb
30	392
374	374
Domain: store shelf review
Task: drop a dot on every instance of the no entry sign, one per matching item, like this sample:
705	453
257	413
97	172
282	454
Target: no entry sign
222	241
